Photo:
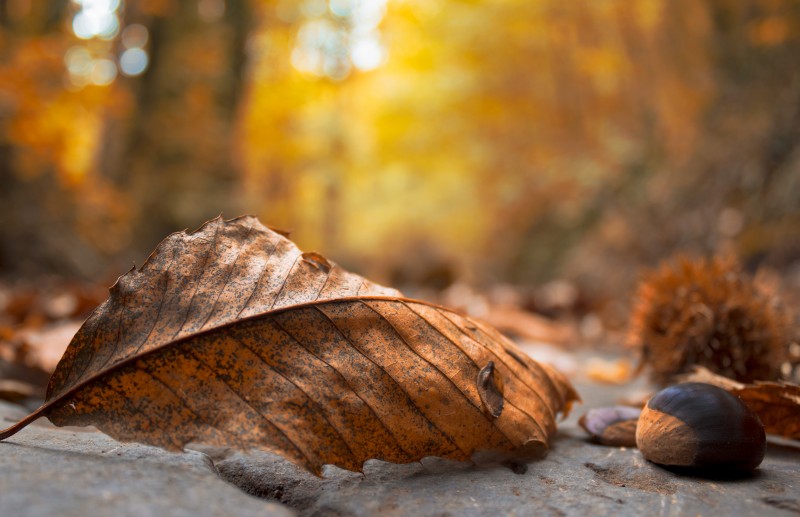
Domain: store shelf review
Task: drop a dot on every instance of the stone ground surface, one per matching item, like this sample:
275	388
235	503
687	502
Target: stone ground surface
50	471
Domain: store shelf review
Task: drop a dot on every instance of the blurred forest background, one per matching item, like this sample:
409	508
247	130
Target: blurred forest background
414	141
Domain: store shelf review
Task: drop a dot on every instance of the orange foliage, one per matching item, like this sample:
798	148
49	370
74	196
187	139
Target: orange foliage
507	138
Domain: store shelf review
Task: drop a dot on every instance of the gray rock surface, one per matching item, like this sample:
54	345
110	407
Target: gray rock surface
577	478
50	471
47	471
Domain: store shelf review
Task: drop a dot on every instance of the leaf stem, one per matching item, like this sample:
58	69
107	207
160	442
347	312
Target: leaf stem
14	429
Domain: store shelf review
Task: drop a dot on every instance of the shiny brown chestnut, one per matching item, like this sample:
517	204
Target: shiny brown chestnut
701	427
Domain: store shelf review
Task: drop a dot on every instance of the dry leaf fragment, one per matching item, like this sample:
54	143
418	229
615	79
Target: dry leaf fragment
16	391
615	426
616	371
231	336
530	326
45	345
777	404
490	390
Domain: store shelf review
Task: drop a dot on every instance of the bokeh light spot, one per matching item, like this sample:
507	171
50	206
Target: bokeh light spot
135	36
104	72
78	61
133	62
367	54
341	8
338	35
96	19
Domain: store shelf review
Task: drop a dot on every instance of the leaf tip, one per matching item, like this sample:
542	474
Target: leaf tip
279	231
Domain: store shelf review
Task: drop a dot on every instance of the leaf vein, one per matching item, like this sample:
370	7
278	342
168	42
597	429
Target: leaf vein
258	282
344	379
283	285
227	278
250	404
500	359
211	247
491	421
397	384
287	379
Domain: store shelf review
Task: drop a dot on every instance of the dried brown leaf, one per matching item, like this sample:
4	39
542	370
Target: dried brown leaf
231	336
16	391
530	326
618	371
777	404
44	346
615	425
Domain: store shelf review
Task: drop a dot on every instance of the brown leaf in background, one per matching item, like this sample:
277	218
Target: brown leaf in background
22	377
16	391
777	404
37	323
44	346
618	371
232	336
530	326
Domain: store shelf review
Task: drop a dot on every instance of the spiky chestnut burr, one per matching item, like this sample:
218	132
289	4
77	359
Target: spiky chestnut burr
709	313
